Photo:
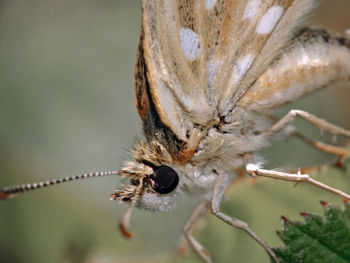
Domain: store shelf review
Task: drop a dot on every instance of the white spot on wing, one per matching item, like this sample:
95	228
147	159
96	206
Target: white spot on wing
209	3
269	20
189	42
251	9
212	69
243	65
347	32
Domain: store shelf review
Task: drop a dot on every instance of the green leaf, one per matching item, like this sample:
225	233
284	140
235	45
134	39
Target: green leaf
318	239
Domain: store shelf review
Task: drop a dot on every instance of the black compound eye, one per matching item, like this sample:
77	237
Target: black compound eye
164	180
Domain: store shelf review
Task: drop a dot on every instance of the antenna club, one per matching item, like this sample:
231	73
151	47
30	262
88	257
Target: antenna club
125	232
3	195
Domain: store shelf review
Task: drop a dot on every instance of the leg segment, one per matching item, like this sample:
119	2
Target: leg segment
320	123
199	211
255	170
217	197
341	152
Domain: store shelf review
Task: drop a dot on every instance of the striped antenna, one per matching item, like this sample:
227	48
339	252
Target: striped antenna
12	191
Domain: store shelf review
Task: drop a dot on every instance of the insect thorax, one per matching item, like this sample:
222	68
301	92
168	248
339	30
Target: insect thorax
238	133
219	151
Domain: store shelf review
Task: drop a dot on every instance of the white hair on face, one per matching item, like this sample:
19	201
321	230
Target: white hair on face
157	202
162	202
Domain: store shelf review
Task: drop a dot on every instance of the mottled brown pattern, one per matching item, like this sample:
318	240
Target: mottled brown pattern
306	35
142	98
290	75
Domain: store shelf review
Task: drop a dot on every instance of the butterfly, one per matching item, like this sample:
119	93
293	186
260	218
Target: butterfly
208	74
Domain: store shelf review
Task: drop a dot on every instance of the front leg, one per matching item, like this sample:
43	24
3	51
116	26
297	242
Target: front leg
218	193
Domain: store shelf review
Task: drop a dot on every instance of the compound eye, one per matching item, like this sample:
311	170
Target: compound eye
164	180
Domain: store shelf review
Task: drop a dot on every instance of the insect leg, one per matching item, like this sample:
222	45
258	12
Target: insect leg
198	212
255	170
320	123
217	197
341	152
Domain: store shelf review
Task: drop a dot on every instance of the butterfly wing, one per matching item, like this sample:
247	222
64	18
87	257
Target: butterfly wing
314	60
202	56
255	36
172	54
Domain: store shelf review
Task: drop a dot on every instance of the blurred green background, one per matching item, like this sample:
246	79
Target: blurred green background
67	106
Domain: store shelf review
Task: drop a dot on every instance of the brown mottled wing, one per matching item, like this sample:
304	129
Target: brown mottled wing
314	60
153	126
203	55
252	34
177	88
